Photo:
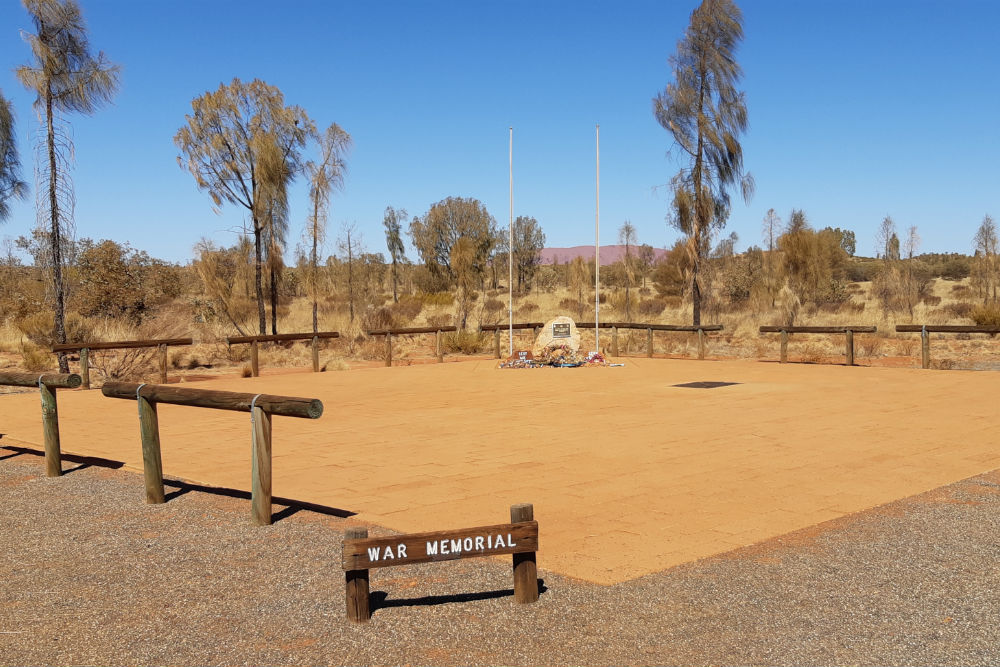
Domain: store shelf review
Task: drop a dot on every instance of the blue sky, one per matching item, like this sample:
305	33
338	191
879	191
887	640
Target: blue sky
857	110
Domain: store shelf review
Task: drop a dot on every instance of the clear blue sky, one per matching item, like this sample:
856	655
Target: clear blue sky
858	109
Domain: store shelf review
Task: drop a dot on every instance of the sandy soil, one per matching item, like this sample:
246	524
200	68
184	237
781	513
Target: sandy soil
629	474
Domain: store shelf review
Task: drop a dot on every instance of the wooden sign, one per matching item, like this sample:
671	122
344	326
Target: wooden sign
507	538
560	330
519	538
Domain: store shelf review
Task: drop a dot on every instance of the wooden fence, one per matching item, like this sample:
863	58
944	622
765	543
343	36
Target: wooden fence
254	342
519	537
85	348
848	331
47	384
615	326
260	406
389	333
925	330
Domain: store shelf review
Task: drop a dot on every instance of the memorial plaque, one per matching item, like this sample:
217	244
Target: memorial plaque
561	330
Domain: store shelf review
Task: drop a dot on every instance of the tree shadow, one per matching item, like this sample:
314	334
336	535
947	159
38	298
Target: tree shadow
291	506
380	599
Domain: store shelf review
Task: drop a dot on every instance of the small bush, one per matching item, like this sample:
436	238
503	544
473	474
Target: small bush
569	305
961	291
960	309
987	315
931	300
868	346
466	342
246	371
407	308
652	307
35	358
527	308
439	320
377	318
437	299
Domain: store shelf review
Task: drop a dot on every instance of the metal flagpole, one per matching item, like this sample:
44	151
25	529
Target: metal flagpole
510	250
597	252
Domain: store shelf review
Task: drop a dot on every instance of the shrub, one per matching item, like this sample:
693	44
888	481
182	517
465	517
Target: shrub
961	291
407	308
38	328
439	320
569	305
527	308
35	358
466	342
987	315
652	307
960	309
437	298
377	318
931	300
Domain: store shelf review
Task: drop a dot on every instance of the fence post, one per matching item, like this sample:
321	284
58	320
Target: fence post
496	341
440	351
152	462
254	359
525	568
701	343
260	496
925	348
50	425
534	335
649	342
163	363
85	367
784	346
358	609
850	347
614	341
315	353
388	349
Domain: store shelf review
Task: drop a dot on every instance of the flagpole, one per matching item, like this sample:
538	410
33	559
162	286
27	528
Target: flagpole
597	252
510	251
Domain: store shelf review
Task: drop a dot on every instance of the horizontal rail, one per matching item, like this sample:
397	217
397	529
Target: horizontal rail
411	330
54	380
945	328
121	344
237	340
655	327
517	325
285	406
819	330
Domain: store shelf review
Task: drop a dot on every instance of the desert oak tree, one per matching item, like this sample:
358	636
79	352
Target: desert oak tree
11	185
220	145
65	78
705	115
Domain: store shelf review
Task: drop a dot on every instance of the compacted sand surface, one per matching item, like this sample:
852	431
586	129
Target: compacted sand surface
629	473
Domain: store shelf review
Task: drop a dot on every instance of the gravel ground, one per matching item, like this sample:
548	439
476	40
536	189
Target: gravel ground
91	575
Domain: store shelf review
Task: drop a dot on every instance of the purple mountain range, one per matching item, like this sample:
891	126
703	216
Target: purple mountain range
609	253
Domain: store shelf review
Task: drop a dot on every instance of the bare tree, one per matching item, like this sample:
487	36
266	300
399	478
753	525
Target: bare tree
705	114
771	228
65	78
987	258
884	240
350	247
627	237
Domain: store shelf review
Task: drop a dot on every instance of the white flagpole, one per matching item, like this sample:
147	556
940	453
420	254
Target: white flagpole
597	252
510	250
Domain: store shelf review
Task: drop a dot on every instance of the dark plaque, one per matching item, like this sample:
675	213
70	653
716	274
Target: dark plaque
560	330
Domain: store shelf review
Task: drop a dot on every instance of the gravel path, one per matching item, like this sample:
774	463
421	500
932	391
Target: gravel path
91	575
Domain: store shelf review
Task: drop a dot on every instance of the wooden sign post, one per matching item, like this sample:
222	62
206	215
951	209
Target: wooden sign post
520	538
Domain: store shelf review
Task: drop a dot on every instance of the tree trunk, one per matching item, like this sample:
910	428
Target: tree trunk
395	297
315	283
350	275
59	316
695	293
258	275
274	301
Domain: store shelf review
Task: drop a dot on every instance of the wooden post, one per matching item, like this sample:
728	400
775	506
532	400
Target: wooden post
85	367
649	342
496	341
534	335
525	569
315	353
163	363
254	359
388	349
701	343
260	497
850	347
50	425
152	463
784	346
358	609
925	348
614	341
440	350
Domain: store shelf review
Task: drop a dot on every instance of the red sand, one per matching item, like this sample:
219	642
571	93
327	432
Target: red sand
628	474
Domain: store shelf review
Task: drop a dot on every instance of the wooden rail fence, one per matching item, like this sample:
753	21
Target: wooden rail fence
254	342
519	537
85	348
389	333
47	384
701	330
260	406
925	330
848	331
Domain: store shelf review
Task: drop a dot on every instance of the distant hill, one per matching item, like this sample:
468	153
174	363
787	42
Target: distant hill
609	253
